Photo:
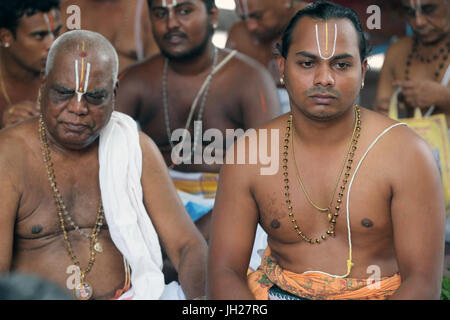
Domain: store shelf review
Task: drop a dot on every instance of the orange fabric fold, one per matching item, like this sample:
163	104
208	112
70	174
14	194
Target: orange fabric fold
317	286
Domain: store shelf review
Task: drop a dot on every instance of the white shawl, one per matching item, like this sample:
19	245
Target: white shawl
120	160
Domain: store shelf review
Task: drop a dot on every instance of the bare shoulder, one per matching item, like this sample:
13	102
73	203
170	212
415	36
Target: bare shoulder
399	49
17	144
150	152
142	70
401	146
244	68
238	35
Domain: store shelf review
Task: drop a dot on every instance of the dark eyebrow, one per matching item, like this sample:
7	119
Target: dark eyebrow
313	56
61	87
97	92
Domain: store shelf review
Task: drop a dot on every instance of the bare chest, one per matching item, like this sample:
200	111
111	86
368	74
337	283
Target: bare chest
364	204
79	202
184	105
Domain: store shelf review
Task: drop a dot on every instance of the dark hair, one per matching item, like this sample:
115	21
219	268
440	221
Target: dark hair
209	4
11	11
325	10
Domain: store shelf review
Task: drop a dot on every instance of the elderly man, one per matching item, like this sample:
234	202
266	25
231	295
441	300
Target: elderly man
27	30
356	210
195	87
419	64
263	23
92	198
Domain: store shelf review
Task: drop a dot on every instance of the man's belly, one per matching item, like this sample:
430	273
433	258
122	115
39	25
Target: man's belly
48	258
331	257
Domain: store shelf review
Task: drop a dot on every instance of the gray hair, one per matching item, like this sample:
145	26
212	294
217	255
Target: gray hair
66	43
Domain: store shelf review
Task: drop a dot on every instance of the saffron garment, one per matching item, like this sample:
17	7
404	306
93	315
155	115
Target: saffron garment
197	190
314	286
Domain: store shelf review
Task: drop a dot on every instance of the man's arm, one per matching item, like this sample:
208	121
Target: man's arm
234	221
418	218
9	203
128	99
183	243
385	87
425	93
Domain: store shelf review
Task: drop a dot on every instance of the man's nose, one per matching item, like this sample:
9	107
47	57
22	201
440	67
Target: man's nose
252	25
324	76
78	107
419	20
172	20
48	41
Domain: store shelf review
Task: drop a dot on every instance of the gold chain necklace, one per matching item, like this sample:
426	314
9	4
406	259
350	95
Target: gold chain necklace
83	290
327	209
348	159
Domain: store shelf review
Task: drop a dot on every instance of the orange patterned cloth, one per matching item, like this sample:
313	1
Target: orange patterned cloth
316	286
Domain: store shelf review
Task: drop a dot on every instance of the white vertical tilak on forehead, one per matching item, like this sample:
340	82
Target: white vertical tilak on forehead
169	3
416	6
80	92
77	80
49	26
334	42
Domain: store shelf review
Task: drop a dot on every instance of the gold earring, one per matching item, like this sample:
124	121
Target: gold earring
282	81
38	102
362	85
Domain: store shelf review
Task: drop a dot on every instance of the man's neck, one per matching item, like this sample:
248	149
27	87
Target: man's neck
323	133
195	65
11	69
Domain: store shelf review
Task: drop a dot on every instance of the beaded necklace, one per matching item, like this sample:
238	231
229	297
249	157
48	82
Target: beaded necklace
348	159
83	290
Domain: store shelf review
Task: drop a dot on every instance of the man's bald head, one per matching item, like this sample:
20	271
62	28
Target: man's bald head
84	44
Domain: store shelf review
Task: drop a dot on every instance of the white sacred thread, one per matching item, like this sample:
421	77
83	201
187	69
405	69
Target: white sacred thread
81	91
318	43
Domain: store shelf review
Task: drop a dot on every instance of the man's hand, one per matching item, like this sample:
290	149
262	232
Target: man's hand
19	112
419	94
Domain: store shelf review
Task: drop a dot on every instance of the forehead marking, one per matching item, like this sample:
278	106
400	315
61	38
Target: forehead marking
416	4
169	3
80	87
326	41
50	24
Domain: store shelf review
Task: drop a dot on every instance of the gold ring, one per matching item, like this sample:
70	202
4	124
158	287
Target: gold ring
11	110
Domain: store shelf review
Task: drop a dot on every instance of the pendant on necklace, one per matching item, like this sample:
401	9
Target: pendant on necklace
83	291
98	247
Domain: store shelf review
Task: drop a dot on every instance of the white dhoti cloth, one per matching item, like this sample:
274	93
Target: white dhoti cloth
120	160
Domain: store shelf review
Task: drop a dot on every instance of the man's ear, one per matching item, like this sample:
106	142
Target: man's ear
214	16
116	87
281	64
6	37
364	66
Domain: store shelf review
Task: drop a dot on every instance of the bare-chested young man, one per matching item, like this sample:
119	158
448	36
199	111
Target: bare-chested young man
356	209
418	63
160	93
27	30
263	23
92	191
125	23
